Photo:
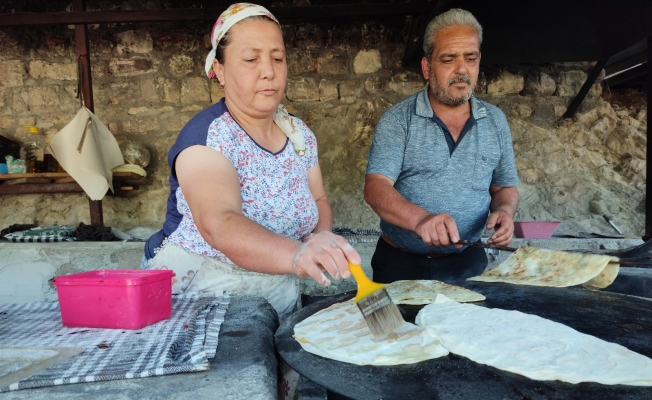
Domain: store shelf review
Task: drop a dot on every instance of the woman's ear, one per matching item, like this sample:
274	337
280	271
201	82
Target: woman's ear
219	72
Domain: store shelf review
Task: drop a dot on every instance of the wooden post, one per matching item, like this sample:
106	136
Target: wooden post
86	91
648	162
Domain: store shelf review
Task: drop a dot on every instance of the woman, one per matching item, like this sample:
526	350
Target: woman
247	209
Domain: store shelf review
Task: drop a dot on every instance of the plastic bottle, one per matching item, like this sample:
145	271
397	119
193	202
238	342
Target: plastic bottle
50	164
32	152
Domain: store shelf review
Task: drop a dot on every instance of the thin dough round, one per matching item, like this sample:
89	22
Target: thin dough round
532	346
339	332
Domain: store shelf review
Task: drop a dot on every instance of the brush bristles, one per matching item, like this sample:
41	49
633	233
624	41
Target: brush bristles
381	313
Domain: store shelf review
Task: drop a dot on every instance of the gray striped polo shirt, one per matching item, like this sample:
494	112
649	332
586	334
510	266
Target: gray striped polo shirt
410	148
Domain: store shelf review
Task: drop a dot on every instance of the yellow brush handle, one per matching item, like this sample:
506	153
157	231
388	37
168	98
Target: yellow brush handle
365	285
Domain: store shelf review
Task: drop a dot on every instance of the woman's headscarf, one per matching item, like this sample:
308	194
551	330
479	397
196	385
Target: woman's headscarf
231	16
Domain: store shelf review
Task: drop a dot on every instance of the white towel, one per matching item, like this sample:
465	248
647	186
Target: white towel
88	151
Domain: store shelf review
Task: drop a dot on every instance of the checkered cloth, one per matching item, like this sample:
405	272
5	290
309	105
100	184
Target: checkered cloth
358	235
183	343
39	239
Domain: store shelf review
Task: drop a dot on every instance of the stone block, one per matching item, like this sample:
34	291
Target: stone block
41	98
122	93
141	125
560	110
570	82
543	112
309	36
375	84
328	90
179	43
176	122
300	62
99	68
7	122
406	83
538	83
504	82
626	141
597	207
367	62
181	64
521	110
194	90
11	73
160	89
57	71
195	108
302	89
10	47
139	41
349	91
134	66
333	64
141	110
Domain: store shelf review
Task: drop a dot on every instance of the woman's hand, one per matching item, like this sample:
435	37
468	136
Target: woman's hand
324	252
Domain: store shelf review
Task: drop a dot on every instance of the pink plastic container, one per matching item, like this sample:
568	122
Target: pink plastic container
535	229
119	299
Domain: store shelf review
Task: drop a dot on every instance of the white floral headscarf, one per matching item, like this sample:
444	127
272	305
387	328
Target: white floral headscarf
231	16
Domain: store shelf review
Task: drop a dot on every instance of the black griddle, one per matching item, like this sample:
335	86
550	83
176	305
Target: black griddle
613	317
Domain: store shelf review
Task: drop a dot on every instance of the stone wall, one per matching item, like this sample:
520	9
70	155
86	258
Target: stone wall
148	81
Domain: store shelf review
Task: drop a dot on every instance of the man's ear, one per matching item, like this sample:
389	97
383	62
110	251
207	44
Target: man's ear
425	68
219	72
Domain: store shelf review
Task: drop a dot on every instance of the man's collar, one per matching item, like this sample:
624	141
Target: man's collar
424	109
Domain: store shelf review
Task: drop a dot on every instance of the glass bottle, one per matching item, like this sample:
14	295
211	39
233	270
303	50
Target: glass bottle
32	150
50	164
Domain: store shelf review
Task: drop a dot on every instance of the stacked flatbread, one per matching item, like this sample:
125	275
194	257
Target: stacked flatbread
541	267
339	332
532	346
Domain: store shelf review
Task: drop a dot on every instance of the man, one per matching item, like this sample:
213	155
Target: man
441	165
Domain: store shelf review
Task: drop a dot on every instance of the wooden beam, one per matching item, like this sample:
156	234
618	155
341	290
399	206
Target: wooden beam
648	162
584	90
412	53
36	188
211	14
85	87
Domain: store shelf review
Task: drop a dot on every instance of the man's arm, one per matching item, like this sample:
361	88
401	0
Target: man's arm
392	207
504	201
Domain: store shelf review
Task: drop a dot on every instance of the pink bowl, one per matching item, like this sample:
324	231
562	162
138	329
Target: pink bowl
535	229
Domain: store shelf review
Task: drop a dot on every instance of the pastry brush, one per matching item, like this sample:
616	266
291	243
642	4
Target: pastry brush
377	308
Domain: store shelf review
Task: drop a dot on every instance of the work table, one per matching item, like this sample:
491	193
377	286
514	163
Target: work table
244	367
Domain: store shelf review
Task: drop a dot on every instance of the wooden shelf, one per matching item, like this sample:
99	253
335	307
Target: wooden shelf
62	182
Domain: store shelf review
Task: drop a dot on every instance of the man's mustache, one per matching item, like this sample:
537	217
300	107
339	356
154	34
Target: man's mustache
458	79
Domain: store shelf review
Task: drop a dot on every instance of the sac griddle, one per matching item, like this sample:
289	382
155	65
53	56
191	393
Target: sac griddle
617	318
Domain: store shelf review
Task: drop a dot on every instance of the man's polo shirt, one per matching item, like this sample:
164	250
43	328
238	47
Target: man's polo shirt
410	148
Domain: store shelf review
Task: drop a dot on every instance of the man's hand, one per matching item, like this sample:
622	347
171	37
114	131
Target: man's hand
437	230
324	252
502	222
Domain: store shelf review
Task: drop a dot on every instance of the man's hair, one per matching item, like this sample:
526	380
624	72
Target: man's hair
452	17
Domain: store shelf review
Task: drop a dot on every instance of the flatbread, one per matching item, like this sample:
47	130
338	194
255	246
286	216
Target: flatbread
424	292
532	346
339	332
541	267
604	278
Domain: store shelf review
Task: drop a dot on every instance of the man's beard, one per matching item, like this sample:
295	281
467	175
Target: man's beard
443	94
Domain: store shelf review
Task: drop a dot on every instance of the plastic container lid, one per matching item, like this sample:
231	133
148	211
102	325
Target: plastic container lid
112	277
